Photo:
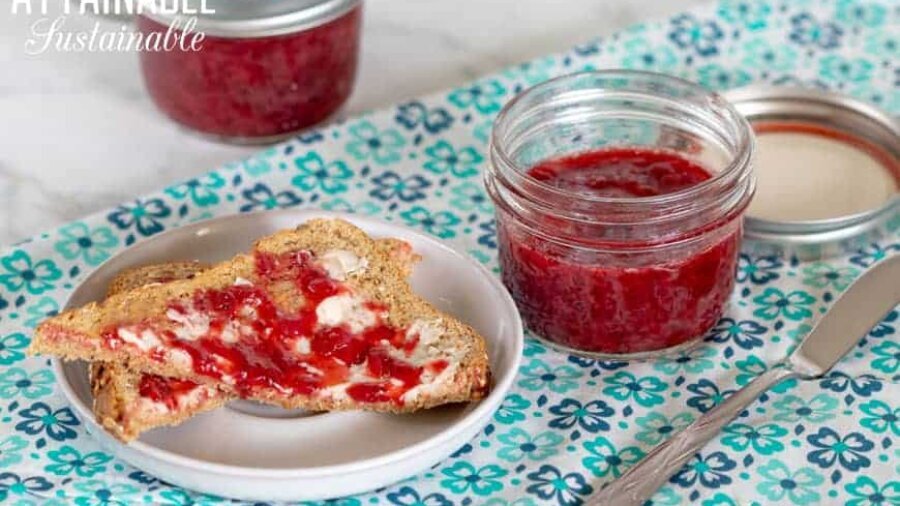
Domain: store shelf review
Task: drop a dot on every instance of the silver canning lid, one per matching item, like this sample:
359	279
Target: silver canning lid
255	18
831	110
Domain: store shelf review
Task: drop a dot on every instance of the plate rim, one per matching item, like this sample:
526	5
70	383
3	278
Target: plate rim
481	411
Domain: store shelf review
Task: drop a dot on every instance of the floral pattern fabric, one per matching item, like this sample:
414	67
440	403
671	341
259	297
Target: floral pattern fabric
570	424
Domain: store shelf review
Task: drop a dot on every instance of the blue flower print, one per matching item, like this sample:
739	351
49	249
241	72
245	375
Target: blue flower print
40	310
710	471
144	215
888	360
605	459
656	427
261	197
774	303
68	460
863	385
764	439
512	409
522	501
413	114
791	408
692	362
822	275
719	499
706	395
800	487
382	147
408	496
537	375
442	224
469	196
12	348
177	497
752	367
869	14
533	348
883	43
887	326
531	72
758	270
41	418
315	174
94	246
486	97
866	492
880	418
688	32
519	445
443	158
343	206
550	484
806	31
589	416
746	333
665	496
842	70
599	365
20	271
645	390
392	185
11	450
752	16
202	191
760	54
16	381
717	77
640	54
489	238
870	255
463	477
13	485
98	493
848	451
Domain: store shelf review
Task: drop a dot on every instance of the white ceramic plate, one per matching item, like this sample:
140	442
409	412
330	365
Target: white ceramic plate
253	452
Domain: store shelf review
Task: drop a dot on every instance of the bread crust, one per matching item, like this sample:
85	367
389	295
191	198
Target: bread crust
76	334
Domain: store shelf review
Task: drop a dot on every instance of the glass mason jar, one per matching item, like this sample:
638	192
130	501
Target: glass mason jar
264	69
632	252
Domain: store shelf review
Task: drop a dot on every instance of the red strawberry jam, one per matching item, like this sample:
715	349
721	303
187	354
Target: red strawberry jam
164	390
255	88
247	336
618	302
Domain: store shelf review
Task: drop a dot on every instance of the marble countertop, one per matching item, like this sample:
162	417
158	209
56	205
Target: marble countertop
79	134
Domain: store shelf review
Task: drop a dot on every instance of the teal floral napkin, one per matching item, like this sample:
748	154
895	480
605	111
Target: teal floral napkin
570	424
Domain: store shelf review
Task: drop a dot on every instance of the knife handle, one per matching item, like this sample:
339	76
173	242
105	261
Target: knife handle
643	480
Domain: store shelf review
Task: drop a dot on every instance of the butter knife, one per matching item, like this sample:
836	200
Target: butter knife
863	305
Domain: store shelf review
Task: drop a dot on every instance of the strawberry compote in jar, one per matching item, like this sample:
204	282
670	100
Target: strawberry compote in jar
264	69
619	199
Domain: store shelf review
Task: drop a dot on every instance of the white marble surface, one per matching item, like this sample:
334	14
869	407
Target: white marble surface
78	134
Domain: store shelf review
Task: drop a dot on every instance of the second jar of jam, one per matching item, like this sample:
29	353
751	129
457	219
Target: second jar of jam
264	69
619	198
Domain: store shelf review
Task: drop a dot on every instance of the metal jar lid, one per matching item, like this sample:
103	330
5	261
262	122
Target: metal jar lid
823	237
257	18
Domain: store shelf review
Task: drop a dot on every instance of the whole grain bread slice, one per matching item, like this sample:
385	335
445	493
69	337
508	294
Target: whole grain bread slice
84	333
121	403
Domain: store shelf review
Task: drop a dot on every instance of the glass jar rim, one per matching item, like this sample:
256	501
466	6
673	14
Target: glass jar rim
255	20
738	160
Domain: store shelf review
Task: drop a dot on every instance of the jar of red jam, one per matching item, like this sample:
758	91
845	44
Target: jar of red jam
264	69
619	198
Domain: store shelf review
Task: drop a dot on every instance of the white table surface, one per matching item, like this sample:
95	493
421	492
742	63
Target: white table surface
79	134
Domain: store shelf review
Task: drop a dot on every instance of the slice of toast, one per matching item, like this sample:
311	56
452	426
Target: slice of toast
128	402
319	318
